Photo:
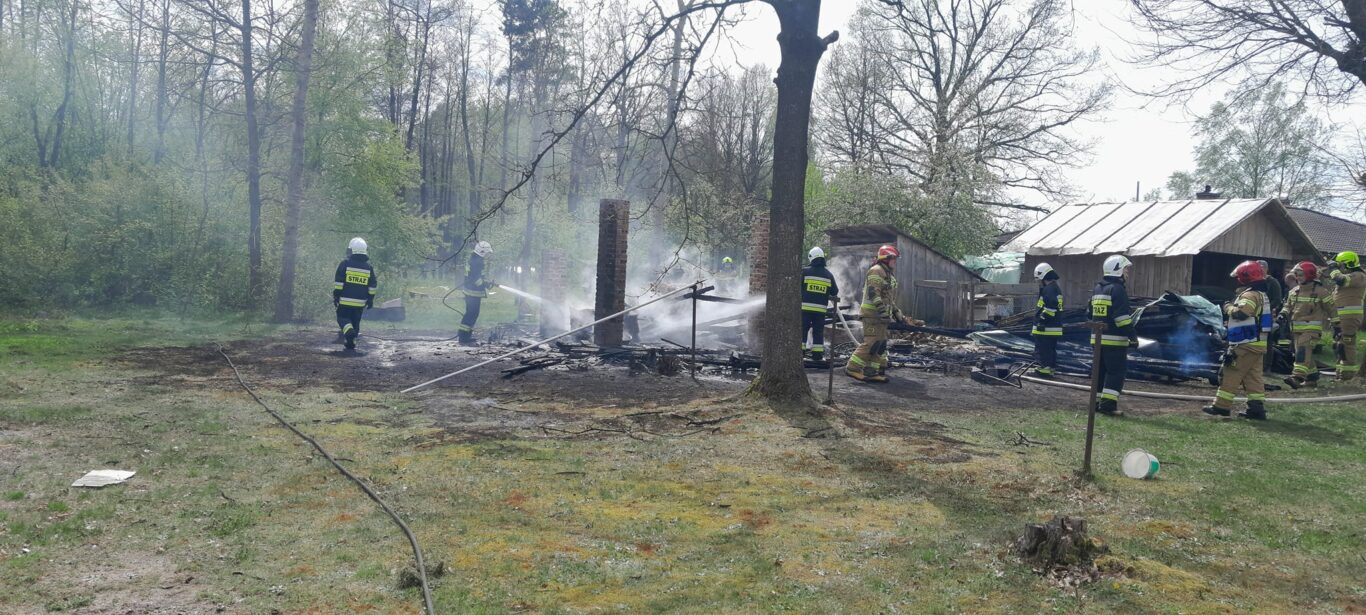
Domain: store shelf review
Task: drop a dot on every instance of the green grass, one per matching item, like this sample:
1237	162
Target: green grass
1244	517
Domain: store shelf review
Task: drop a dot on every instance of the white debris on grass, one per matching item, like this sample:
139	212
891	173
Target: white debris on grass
103	478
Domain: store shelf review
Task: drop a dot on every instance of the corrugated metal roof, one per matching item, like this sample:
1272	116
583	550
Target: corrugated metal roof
1162	228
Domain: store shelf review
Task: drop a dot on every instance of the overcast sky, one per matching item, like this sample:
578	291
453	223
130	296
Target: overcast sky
1137	140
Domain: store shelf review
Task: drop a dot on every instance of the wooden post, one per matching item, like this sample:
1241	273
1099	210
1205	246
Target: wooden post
694	330
1096	329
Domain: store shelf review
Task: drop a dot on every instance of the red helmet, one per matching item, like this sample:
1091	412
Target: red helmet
1309	270
1248	272
887	251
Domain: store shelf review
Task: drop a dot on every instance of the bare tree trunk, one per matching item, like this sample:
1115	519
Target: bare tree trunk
303	68
38	136
163	51
507	109
475	194
255	282
417	80
136	57
68	82
782	377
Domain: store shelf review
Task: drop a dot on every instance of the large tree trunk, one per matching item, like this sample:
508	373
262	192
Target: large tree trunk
782	377
255	282
284	295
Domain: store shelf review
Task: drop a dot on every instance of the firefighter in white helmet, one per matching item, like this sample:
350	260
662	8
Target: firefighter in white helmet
818	288
1047	320
353	290
476	287
1110	305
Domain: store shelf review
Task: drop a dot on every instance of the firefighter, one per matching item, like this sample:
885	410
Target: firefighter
1276	293
1110	305
1047	320
1249	324
475	287
1348	297
878	310
1307	306
818	289
353	290
727	276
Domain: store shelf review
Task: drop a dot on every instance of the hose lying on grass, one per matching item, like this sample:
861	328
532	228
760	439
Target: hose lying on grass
412	540
1179	397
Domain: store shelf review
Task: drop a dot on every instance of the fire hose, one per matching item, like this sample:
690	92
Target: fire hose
427	603
1203	398
692	287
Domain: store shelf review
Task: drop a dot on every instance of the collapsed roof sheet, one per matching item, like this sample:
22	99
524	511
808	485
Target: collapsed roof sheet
1162	228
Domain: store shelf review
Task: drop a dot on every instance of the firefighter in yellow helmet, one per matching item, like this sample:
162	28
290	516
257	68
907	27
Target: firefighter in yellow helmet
879	309
1348	297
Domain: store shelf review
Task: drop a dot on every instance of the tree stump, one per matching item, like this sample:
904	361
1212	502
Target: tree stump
1061	542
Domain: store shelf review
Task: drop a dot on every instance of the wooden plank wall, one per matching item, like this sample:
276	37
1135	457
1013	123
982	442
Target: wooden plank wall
1256	237
1150	276
916	263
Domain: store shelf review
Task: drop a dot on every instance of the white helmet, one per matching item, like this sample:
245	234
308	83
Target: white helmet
815	253
358	246
483	249
1041	270
1115	264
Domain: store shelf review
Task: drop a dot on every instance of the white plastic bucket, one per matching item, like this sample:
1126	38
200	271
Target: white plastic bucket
1140	464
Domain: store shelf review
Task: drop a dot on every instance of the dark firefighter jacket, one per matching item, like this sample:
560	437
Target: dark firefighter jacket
1110	304
355	282
475	285
1048	317
818	286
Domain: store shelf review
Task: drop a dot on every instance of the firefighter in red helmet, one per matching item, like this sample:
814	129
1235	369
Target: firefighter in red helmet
879	309
1307	307
1249	324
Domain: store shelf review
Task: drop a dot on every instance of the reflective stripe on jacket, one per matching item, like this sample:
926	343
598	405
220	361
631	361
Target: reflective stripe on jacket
818	287
879	293
1110	304
1249	319
1307	306
1047	318
355	283
1350	293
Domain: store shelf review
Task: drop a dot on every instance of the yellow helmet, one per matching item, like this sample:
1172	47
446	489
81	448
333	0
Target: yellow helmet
1348	259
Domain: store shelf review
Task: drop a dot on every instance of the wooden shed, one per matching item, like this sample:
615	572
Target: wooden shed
1188	247
853	248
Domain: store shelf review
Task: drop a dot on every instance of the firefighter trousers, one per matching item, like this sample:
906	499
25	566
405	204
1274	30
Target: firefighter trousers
1114	366
1346	345
1245	372
471	316
1305	365
1047	348
348	322
871	357
814	323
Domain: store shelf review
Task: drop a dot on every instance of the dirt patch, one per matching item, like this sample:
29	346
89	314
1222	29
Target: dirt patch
130	584
565	400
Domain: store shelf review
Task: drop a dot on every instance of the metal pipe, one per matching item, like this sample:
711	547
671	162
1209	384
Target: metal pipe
1179	397
546	341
